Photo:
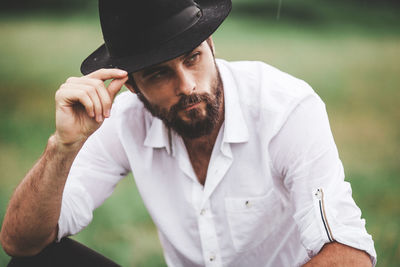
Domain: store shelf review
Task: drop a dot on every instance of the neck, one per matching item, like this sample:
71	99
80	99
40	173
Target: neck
200	150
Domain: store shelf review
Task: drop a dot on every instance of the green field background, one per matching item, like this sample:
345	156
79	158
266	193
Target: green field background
349	52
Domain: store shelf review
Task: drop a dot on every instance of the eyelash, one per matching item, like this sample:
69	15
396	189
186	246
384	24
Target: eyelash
192	58
158	74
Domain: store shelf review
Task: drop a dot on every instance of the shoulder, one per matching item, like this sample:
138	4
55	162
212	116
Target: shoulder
126	102
261	79
128	110
266	92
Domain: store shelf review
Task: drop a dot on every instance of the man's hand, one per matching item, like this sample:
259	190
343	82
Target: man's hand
30	222
83	103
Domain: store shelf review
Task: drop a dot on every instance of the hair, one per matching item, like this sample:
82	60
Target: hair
131	81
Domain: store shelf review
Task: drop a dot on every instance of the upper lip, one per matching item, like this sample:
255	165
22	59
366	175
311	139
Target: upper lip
191	105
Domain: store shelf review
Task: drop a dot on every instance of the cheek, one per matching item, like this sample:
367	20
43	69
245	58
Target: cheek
205	78
209	83
154	94
161	98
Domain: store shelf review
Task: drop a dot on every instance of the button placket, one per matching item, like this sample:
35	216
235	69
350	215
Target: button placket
212	257
202	212
219	169
197	196
208	237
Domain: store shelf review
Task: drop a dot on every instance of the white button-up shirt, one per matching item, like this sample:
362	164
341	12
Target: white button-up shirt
274	193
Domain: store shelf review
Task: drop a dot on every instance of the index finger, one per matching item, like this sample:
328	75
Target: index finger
106	74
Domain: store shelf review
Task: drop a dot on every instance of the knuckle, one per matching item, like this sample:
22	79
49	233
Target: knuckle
80	94
60	90
89	105
62	87
71	79
98	83
107	103
57	94
89	89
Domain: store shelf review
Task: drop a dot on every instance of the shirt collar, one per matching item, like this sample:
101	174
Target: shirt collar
235	127
158	135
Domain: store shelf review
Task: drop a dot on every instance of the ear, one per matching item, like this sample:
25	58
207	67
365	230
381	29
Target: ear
211	44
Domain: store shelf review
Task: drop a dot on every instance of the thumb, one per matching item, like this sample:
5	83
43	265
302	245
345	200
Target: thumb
115	86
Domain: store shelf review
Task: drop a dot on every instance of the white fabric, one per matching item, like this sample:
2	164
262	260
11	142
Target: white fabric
258	206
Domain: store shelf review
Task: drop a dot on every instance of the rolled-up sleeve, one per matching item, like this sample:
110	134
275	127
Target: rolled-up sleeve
305	156
98	167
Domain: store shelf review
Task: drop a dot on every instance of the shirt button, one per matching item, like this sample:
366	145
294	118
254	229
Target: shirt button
202	212
212	258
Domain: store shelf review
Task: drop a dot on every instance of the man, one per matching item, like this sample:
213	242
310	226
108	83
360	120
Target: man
235	162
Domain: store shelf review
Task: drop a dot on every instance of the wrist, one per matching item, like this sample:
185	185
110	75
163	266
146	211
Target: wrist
59	145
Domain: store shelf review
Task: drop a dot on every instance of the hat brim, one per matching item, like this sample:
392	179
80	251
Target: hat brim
214	13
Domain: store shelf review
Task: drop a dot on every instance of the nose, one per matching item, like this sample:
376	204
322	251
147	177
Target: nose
185	82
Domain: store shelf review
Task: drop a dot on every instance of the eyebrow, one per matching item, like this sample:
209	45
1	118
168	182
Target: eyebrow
187	53
148	71
151	70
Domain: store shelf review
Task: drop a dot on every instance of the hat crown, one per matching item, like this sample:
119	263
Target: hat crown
131	26
139	34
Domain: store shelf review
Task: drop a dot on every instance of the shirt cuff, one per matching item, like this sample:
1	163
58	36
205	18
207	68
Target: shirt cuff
321	223
76	211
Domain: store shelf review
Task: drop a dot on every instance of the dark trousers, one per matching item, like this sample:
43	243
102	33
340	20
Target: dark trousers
65	253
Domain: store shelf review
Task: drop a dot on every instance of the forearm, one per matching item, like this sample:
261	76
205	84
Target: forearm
336	254
31	219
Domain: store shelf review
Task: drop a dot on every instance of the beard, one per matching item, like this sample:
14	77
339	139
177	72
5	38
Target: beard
198	124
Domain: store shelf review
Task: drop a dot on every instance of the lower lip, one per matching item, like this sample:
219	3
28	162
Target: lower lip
192	107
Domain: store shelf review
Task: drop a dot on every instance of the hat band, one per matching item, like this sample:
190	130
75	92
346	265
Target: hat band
177	24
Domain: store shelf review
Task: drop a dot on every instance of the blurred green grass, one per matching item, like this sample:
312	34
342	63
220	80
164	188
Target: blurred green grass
354	67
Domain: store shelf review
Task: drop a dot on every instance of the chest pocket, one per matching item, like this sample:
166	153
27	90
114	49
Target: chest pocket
251	220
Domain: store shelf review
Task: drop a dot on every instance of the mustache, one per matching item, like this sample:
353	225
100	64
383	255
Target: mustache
188	100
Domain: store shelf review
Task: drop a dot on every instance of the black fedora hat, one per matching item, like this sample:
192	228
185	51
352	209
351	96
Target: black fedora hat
141	33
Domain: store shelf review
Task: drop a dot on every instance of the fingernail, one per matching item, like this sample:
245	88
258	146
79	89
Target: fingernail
107	113
99	118
122	72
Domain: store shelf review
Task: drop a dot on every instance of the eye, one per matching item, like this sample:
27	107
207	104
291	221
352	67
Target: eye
159	75
193	58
